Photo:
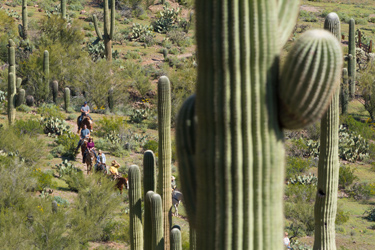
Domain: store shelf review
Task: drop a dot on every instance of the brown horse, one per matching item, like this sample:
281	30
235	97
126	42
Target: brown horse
121	182
84	147
85	121
90	160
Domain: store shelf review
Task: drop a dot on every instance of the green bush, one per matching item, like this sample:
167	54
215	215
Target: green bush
110	124
60	201
44	179
24	108
370	214
69	142
361	191
341	216
347	176
31	127
151	145
296	147
297	165
49	111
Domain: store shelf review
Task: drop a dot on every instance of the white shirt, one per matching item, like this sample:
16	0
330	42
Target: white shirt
286	241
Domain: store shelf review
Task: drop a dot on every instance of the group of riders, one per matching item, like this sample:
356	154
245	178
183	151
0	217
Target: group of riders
90	146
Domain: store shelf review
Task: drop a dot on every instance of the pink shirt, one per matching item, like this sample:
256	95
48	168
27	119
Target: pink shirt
90	145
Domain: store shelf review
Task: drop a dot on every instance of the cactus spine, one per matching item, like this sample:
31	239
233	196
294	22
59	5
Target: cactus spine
109	29
67	98
176	243
46	72
135	204
239	152
352	58
63	9
157	222
55	90
328	168
22	29
344	92
164	178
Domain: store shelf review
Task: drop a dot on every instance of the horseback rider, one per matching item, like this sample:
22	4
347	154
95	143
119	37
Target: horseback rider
90	148
85	110
100	160
85	133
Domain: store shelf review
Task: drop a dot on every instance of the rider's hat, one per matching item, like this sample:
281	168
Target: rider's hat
85	102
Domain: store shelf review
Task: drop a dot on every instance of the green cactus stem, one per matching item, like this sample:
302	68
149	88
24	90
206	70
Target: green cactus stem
109	28
110	99
176	243
54	206
149	171
20	97
46	72
192	238
66	99
18	83
165	153
344	92
11	98
147	222
157	222
63	9
165	53
352	58
328	167
239	155
23	29
135	204
55	90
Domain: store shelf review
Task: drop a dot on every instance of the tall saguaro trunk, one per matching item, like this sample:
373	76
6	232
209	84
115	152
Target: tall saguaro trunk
135	204
328	167
63	8
242	104
352	58
109	28
165	154
23	30
11	82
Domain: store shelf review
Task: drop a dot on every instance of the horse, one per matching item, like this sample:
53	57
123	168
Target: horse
85	121
83	148
101	167
177	197
121	182
89	160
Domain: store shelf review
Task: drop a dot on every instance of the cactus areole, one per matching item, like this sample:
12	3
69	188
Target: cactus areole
241	102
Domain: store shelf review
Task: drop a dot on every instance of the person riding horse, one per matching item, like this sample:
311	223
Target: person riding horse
85	110
90	148
100	162
85	133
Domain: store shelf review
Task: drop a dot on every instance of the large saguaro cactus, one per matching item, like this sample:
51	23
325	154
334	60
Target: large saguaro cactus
176	243
63	8
344	92
165	153
149	184
157	222
352	58
242	104
11	82
109	28
328	167
55	90
135	204
147	222
66	99
23	29
46	72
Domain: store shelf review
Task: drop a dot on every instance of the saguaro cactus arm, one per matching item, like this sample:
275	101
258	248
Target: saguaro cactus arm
113	20
97	29
288	10
135	204
157	222
148	223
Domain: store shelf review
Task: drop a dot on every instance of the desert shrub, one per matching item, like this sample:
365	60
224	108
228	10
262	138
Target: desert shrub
299	207
296	147
151	145
341	216
60	201
297	166
76	7
69	142
307	16
97	51
31	127
109	124
347	176
177	37
24	108
118	150
370	214
132	55
44	179
359	127
361	191
50	110
296	245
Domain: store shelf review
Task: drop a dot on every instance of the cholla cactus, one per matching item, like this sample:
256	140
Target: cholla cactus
242	105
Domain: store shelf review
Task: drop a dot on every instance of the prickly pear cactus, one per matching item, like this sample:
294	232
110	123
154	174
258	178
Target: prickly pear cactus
165	153
242	104
135	204
328	167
